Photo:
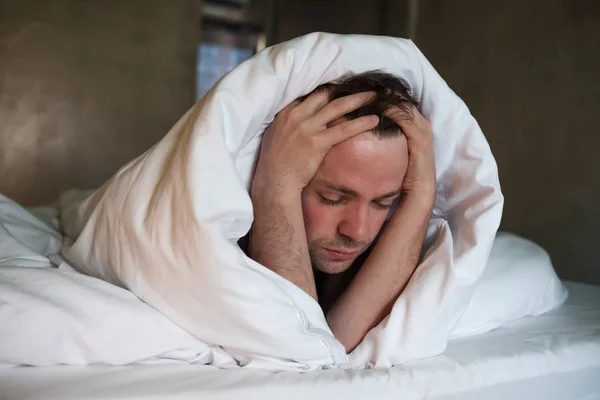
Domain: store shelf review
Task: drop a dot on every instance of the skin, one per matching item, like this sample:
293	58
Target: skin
308	148
346	203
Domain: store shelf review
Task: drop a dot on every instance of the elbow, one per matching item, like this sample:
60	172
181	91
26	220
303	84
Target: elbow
348	337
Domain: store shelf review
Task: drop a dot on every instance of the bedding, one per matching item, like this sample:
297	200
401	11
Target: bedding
555	356
51	314
166	225
518	281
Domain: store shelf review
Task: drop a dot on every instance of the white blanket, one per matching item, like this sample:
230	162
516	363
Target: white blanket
166	225
53	315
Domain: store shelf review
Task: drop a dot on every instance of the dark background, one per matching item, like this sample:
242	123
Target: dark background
87	85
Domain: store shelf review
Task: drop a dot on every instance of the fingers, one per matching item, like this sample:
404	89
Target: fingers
318	111
349	129
313	103
287	109
412	124
342	106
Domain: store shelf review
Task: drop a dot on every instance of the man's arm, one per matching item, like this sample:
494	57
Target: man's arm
278	239
384	275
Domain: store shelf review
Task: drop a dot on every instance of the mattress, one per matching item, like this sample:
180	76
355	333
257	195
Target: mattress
553	356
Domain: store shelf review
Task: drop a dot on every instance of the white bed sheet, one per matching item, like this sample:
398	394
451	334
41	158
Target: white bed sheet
553	356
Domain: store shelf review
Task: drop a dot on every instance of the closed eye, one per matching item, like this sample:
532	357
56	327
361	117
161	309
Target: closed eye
332	202
385	203
380	206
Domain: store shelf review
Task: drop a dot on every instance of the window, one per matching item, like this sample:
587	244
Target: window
224	45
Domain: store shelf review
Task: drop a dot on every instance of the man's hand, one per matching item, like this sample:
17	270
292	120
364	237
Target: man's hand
292	150
419	180
296	142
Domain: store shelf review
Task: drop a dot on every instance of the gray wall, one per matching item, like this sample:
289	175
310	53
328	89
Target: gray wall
292	18
87	85
530	73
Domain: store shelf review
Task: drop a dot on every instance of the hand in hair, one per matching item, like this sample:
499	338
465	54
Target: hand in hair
300	136
420	179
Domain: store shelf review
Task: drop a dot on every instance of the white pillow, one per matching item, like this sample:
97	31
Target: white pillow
166	225
519	281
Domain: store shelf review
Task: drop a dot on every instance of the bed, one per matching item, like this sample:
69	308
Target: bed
552	356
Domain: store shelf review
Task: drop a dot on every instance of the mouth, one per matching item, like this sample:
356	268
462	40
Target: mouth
341	255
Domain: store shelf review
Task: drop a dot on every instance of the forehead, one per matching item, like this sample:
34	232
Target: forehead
366	164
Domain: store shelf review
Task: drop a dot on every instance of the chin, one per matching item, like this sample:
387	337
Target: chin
334	267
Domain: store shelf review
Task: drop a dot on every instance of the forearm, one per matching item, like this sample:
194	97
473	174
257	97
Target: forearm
278	240
383	276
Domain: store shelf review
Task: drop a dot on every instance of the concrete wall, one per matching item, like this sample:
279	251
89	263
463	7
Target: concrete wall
529	71
292	18
87	85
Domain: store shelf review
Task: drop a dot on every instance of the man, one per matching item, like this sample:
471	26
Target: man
330	167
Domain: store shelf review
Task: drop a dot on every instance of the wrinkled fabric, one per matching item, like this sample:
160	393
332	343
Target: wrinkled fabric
166	225
551	357
52	315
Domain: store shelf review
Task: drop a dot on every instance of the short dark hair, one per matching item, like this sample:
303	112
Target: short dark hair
390	89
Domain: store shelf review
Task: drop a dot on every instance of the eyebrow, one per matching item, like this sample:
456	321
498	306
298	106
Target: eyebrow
350	192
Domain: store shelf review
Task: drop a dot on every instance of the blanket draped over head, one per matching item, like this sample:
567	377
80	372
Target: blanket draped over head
166	225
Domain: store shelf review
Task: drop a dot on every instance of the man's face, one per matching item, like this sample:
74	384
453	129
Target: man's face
349	197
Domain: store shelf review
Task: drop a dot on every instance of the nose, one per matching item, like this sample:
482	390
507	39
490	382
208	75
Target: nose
355	223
